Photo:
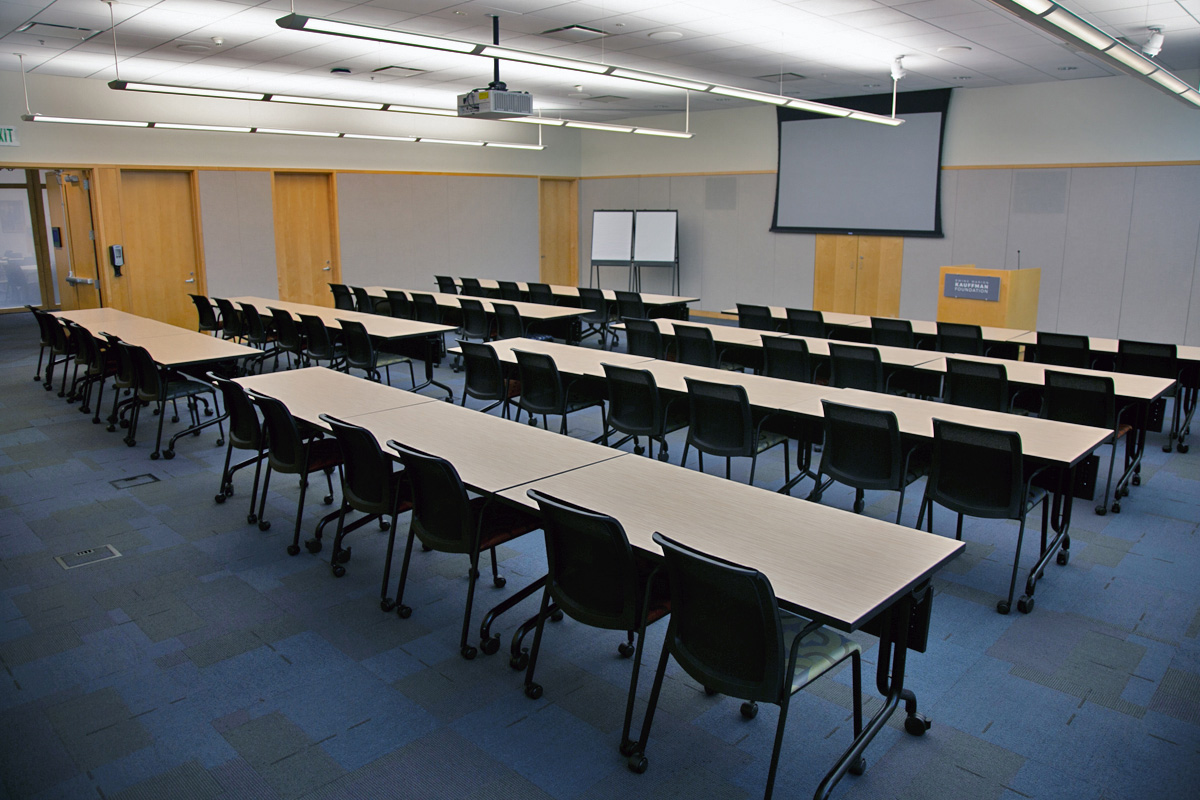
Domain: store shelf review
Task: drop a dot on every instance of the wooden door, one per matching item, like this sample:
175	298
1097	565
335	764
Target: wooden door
306	236
70	206
163	261
877	291
836	276
558	200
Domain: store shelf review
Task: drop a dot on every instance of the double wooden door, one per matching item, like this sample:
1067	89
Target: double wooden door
858	274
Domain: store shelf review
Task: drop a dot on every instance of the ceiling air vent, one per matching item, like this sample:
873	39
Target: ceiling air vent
396	71
47	30
787	77
606	98
575	33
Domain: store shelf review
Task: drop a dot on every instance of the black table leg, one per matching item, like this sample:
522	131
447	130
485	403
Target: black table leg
431	355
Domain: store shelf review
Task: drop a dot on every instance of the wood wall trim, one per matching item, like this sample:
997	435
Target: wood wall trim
1096	165
677	174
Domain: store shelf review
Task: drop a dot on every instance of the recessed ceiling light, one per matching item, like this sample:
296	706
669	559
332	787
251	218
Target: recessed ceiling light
871	85
1067	69
193	47
954	48
961	78
666	35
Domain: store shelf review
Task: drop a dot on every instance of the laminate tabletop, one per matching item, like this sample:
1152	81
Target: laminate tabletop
1030	373
825	563
891	356
312	391
761	391
192	348
121	324
1098	344
830	317
376	325
537	311
562	290
571	359
722	334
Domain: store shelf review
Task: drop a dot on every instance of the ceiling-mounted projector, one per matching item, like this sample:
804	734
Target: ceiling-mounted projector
495	103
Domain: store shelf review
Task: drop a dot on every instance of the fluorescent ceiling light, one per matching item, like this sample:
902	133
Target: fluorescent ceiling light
537	120
318	25
287	132
600	126
819	108
515	146
1035	6
179	126
119	123
1081	30
324	101
543	60
661	132
427	140
665	80
1169	82
1192	96
437	112
1133	60
376	136
191	91
882	120
747	94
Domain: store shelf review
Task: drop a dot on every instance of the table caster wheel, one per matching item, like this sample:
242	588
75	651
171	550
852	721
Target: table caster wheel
343	555
313	545
403	612
638	450
153	456
1002	606
814	496
265	525
220	442
1116	508
662	456
169	454
533	691
1167	447
750	710
499	581
859	505
1025	604
557	616
252	518
490	646
219	498
327	500
625	650
468	652
384	524
386	604
628	747
1137	481
916	724
1181	448
338	570
293	549
520	661
1101	510
858	767
637	763
1063	557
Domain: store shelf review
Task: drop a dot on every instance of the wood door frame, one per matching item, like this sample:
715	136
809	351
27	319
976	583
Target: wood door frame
335	242
572	238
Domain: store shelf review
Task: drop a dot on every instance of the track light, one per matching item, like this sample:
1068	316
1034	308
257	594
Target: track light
1153	45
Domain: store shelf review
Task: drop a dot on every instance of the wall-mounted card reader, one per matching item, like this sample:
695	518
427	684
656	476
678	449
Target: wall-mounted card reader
116	257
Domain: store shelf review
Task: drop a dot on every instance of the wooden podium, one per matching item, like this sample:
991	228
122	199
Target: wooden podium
999	298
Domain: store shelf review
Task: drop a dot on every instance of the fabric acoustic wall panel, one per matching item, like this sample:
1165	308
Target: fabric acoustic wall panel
236	222
401	229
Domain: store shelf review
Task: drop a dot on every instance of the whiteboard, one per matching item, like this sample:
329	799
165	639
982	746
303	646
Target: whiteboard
655	238
612	236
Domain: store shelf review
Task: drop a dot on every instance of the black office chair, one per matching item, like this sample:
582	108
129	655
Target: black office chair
510	324
472	288
207	317
721	423
231	319
446	284
45	336
510	292
863	450
399	305
597	318
287	336
595	577
362	354
260	335
1063	350
157	387
756	318
371	487
981	473
291	451
362	301
62	352
245	433
544	393
787	359
446	519
99	365
953	337
892	332
475	322
976	384
485	378
425	308
694	345
1158	361
804	322
728	633
124	378
642	338
635	408
853	367
629	304
1091	400
318	346
542	294
342	298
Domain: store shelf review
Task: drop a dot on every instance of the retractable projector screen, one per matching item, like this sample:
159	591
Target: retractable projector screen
839	175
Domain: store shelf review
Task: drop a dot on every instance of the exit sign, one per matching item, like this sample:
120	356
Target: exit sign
8	136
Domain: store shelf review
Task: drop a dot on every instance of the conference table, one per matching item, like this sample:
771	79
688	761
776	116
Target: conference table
559	321
377	326
664	304
840	569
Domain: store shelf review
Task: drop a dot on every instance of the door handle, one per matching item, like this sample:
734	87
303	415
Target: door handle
192	279
326	269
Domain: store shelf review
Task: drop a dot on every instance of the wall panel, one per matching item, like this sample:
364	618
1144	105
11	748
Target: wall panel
236	221
1037	230
1093	273
981	218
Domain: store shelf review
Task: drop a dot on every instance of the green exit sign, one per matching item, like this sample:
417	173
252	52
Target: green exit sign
8	137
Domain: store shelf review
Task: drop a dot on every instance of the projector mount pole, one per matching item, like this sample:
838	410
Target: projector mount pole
496	84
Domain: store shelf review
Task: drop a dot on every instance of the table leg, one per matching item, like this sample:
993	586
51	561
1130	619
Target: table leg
431	347
491	644
1062	501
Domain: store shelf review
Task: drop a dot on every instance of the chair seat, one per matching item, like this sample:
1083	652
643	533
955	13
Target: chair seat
386	359
503	523
768	439
182	387
323	454
819	651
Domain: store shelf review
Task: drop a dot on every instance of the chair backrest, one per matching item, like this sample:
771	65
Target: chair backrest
149	383
342	299
634	405
541	293
805	322
287	333
976	471
756	318
88	349
976	384
862	446
255	329
362	301
541	385
285	446
360	353
472	288
442	516
892	332
954	337
787	359
694	345
44	322
205	313
126	374
724	629
366	469
643	338
1147	358
1079	399
474	318
510	291
317	337
60	341
508	321
484	372
446	284
719	418
245	431
591	571
1064	350
629	304
425	308
231	319
852	367
593	299
398	304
